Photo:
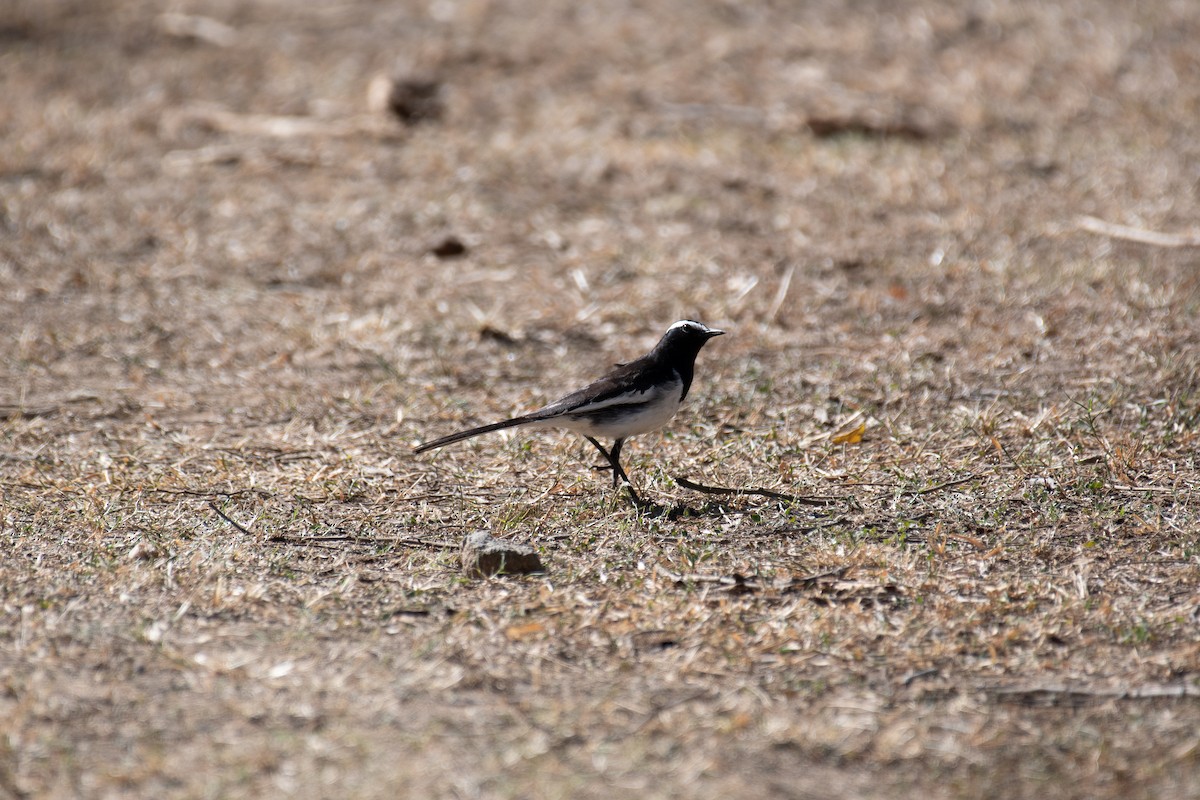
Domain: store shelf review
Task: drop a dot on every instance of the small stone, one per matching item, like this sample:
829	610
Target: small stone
449	247
411	98
483	556
143	551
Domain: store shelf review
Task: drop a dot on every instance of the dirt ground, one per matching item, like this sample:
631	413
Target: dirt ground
955	248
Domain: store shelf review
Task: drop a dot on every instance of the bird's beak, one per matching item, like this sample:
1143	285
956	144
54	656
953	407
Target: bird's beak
714	332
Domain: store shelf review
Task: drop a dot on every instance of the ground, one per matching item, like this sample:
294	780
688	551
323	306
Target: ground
236	289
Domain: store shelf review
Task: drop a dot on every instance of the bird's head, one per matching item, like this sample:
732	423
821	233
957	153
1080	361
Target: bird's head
686	336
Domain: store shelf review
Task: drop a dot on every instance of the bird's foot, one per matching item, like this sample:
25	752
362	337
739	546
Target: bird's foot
646	508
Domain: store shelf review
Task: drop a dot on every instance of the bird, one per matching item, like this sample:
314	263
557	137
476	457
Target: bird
635	397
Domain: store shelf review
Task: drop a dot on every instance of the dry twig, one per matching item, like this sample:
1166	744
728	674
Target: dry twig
1140	235
230	519
754	490
279	127
283	538
1059	695
751	583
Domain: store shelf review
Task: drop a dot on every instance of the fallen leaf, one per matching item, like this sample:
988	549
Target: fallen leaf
517	632
852	436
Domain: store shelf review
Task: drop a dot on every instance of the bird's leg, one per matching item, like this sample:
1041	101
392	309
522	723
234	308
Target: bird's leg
613	458
607	456
616	463
618	472
600	447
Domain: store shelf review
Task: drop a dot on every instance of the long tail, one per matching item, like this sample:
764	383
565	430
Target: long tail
458	437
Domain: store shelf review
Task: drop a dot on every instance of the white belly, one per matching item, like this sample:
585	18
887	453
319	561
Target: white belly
649	418
624	416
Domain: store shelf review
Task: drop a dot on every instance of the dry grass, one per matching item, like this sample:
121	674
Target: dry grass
225	574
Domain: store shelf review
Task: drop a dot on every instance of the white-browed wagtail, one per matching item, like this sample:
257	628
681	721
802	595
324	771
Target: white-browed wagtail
637	397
